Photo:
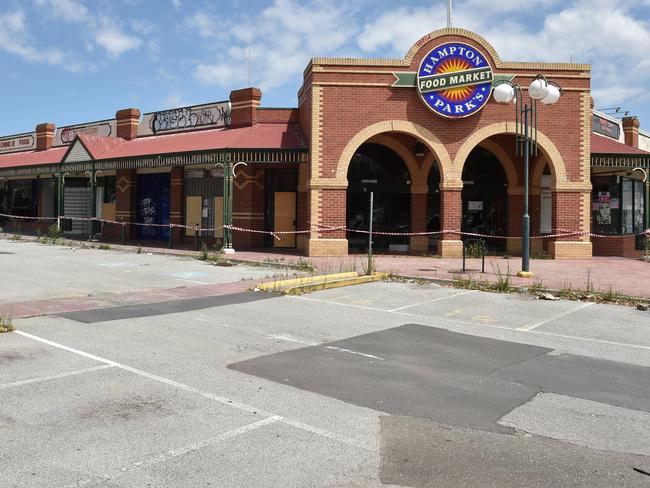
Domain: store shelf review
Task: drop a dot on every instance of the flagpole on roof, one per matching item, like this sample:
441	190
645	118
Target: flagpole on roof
249	67
449	14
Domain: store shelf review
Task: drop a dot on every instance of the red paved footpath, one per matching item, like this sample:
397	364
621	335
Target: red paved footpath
625	276
35	308
620	275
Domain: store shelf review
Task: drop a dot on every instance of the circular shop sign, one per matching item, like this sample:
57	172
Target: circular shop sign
454	80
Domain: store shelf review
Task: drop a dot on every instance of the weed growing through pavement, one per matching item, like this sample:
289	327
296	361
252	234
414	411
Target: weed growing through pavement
139	249
537	286
466	282
589	285
204	253
368	265
304	265
503	279
566	291
17	237
6	325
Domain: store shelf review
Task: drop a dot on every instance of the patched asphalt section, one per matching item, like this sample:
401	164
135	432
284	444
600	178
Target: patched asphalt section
411	370
420	453
163	308
584	422
452	378
603	381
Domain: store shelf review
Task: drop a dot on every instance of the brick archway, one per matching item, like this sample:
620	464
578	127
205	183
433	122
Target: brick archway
424	135
553	156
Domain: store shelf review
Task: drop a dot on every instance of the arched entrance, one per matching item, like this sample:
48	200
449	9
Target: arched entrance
378	169
484	197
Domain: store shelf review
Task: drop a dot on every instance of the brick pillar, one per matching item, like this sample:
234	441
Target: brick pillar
176	201
248	207
328	206
44	136
571	213
128	120
451	208
419	244
631	130
302	204
243	106
125	209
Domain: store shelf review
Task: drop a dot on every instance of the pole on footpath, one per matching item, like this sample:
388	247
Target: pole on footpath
370	264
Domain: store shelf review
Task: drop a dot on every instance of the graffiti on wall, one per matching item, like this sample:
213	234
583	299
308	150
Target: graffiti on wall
186	118
65	135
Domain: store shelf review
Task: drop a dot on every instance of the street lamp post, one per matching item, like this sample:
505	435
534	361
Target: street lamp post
228	179
506	92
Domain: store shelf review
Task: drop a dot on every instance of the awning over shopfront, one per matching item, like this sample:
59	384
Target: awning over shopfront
608	153
260	143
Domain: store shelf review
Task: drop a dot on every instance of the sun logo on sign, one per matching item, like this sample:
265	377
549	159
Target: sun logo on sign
454	80
451	66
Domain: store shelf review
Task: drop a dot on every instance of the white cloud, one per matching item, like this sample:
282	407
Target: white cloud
282	38
69	10
608	34
14	39
105	31
206	26
114	41
399	29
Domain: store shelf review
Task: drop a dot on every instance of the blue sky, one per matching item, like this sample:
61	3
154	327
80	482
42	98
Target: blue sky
73	61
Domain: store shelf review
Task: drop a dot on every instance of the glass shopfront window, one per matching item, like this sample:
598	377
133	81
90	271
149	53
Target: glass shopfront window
617	205
21	198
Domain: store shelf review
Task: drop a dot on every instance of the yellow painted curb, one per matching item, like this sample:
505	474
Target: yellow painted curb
326	285
306	280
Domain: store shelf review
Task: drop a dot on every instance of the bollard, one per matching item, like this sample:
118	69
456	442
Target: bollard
123	232
196	237
171	236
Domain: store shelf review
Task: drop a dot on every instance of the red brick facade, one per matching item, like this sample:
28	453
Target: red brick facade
346	102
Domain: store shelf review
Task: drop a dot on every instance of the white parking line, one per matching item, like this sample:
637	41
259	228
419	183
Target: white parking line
534	325
432	300
476	324
195	446
54	376
173	453
205	394
350	351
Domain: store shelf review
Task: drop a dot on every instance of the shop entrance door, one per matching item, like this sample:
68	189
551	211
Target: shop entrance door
285	218
485	198
378	169
153	206
77	202
280	206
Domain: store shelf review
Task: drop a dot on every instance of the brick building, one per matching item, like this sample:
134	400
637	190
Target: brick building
422	133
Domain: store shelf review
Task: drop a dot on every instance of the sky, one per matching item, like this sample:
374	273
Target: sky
74	61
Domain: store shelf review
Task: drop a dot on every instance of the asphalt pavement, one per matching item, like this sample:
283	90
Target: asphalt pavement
384	384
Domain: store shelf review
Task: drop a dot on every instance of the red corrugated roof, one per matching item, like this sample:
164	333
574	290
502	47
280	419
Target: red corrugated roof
605	145
99	146
32	158
259	136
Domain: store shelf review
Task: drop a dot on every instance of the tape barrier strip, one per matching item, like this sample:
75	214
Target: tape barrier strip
321	228
26	218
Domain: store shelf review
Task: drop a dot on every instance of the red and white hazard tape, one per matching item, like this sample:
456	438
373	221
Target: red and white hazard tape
322	228
22	217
